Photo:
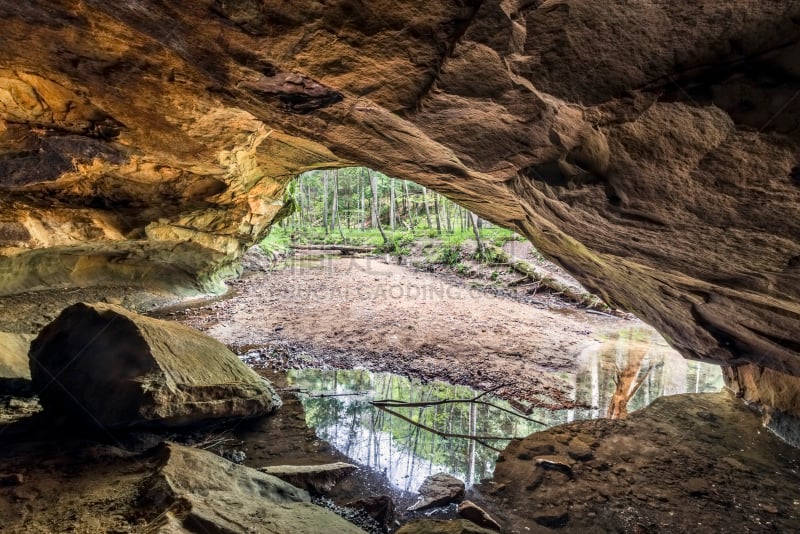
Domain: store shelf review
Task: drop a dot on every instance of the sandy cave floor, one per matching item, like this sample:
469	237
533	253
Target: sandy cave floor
370	313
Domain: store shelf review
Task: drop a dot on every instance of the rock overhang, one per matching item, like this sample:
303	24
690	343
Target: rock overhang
650	149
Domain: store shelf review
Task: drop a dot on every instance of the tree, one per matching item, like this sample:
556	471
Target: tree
436	210
481	252
392	222
336	220
427	208
373	183
325	201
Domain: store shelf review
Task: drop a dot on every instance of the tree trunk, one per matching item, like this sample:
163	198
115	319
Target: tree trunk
336	220
363	204
309	206
436	209
325	201
627	382
407	206
335	202
427	209
373	182
481	252
392	223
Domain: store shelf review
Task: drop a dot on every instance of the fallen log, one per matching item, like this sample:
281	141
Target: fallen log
344	249
546	279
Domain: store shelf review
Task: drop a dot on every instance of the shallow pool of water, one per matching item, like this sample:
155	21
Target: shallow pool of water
624	372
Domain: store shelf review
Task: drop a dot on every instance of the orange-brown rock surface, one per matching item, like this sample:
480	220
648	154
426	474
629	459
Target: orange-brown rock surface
650	147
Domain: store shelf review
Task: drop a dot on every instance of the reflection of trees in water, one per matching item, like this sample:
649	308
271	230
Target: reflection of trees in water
633	368
628	379
624	374
404	451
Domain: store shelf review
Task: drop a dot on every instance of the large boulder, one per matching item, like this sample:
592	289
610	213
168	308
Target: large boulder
15	375
197	491
439	489
104	364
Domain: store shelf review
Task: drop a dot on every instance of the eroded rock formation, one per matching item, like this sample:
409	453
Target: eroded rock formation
651	148
103	365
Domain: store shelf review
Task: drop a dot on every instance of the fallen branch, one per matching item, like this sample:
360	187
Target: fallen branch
446	435
384	404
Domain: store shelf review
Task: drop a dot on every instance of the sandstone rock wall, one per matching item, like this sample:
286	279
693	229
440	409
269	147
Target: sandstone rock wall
651	147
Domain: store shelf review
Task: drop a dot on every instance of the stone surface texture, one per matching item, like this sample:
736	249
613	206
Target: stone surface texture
671	467
439	489
650	148
472	512
103	364
14	366
318	478
198	492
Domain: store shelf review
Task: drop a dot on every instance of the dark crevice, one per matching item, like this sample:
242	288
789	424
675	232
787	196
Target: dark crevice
294	92
794	176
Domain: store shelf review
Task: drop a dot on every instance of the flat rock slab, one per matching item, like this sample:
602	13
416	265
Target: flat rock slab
472	512
199	491
319	478
103	364
438	490
15	374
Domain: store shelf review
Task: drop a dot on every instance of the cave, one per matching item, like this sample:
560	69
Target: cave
651	149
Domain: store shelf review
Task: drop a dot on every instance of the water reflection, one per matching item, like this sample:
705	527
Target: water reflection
625	372
404	452
630	369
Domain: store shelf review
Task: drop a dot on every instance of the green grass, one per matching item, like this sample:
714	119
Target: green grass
277	242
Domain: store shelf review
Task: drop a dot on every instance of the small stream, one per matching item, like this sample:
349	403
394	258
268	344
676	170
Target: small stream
622	373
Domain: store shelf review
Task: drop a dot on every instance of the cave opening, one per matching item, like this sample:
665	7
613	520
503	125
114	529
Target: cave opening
385	294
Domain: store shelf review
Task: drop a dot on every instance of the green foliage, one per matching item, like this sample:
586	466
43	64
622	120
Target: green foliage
276	242
499	236
463	269
398	243
449	255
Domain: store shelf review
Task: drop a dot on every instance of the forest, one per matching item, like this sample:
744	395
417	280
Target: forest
357	205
